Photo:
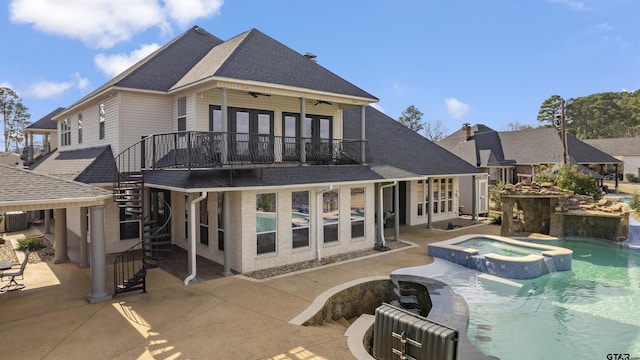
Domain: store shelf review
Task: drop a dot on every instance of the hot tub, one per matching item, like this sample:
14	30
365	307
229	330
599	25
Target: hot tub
502	256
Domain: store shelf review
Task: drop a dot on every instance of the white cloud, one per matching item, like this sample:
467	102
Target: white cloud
604	27
52	89
186	11
575	5
456	108
104	23
113	65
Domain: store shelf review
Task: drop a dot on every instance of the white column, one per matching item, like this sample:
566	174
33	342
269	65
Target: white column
430	204
60	242
396	211
474	198
226	220
225	126
84	254
98	262
47	221
363	135
303	130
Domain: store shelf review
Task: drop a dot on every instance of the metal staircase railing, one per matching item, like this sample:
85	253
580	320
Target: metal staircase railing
130	267
129	270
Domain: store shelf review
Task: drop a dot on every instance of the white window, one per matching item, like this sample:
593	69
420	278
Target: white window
101	118
357	212
79	128
182	114
300	219
266	223
65	132
331	215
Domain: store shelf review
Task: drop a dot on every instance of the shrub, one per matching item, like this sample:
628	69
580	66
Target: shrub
569	178
31	244
631	177
495	196
635	202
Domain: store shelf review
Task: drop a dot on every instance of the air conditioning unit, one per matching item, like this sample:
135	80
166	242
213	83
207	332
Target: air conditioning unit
16	221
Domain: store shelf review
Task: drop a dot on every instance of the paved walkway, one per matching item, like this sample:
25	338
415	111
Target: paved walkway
226	318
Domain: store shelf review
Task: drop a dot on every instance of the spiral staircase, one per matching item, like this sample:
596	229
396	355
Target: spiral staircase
129	192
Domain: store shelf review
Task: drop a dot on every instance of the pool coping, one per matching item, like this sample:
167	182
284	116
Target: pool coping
549	250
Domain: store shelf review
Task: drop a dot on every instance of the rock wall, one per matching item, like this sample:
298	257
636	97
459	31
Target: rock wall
546	209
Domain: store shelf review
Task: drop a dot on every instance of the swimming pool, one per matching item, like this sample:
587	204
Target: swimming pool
502	256
586	313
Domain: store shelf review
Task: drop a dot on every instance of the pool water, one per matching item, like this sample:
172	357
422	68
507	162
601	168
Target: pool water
486	245
586	313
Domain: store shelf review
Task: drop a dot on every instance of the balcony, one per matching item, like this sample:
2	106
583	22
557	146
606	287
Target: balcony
192	150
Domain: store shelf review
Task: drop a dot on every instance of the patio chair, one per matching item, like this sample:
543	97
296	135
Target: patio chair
12	284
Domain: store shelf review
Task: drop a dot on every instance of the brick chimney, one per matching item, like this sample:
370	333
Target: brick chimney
466	131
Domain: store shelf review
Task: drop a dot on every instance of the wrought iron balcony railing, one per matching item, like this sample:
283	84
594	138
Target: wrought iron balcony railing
205	150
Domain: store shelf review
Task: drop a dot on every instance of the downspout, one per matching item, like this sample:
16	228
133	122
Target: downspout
192	237
382	243
319	221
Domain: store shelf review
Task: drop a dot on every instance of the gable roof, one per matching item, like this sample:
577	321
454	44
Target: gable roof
46	122
196	55
164	67
489	148
43	191
254	56
398	151
484	147
629	146
90	165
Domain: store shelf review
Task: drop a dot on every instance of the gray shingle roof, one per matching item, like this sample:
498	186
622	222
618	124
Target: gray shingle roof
392	144
161	71
46	122
629	146
255	56
197	55
487	147
90	166
163	68
21	186
273	176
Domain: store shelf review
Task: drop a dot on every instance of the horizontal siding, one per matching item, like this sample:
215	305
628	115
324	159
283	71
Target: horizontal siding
277	104
90	125
143	114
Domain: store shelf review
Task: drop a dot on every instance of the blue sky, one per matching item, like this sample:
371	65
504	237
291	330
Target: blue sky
476	61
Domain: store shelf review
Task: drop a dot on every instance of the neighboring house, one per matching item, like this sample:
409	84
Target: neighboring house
41	137
249	154
11	159
513	156
627	150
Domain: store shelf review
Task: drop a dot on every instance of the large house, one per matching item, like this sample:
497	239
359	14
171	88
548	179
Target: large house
512	156
249	154
627	150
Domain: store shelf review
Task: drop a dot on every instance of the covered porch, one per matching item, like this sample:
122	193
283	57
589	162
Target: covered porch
23	190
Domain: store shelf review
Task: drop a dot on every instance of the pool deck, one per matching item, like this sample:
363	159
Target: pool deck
230	317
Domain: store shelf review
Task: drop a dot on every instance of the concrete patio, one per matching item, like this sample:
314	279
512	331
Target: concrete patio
231	317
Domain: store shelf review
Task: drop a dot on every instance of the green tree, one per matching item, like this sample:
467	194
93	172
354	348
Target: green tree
412	118
601	115
15	117
550	110
570	178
